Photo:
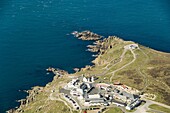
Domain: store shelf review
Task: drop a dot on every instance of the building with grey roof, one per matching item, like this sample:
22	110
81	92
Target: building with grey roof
128	95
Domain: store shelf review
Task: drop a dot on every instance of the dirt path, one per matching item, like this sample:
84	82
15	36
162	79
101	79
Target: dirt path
144	75
121	58
146	81
51	97
59	99
134	58
107	69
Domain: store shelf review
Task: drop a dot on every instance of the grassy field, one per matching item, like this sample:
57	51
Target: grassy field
159	108
114	110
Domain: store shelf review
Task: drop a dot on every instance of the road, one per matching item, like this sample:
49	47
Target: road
144	108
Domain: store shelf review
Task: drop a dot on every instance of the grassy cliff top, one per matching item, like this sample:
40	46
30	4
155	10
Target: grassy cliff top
145	69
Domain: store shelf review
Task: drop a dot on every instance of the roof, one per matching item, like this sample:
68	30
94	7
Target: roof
119	102
85	95
116	91
102	85
93	91
95	100
80	78
128	95
83	86
62	90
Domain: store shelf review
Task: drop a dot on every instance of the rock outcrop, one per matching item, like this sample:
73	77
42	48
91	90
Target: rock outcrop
30	98
101	46
57	72
86	35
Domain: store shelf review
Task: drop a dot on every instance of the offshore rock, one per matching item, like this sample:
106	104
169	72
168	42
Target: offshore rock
57	72
86	35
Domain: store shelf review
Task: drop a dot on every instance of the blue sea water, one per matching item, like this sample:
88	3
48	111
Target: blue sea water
34	34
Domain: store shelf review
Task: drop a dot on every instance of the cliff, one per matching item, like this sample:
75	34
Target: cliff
139	67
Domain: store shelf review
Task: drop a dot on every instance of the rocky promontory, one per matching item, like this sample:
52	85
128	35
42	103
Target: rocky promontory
86	35
113	62
101	46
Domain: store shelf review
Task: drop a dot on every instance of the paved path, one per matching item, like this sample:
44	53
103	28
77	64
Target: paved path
144	108
158	103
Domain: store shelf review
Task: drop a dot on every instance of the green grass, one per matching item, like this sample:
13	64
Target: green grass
114	110
159	108
133	110
155	64
50	107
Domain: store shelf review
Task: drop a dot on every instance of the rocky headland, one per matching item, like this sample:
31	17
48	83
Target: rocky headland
86	35
142	68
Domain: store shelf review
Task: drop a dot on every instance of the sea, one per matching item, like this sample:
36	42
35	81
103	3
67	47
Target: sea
36	34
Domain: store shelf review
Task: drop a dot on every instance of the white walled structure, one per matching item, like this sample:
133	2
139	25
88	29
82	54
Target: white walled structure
89	79
88	93
94	96
85	79
92	79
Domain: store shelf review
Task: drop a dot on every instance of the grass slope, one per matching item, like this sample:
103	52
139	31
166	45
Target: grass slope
149	73
159	108
114	110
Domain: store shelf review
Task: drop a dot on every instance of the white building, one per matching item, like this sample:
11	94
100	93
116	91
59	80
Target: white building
94	96
88	79
131	46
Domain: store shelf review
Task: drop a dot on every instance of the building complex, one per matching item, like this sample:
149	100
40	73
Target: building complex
83	92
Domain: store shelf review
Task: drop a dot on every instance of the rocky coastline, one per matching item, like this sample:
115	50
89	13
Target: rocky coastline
57	72
30	98
98	46
101	46
86	35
